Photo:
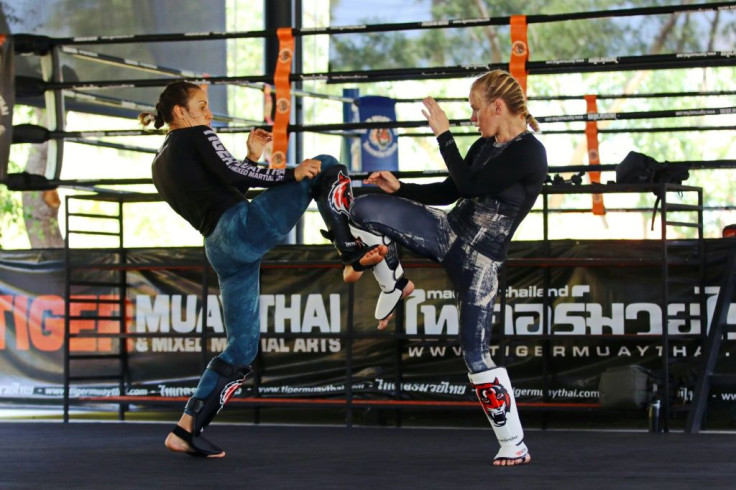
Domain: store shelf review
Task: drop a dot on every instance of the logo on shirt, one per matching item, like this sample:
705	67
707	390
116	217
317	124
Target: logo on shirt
220	149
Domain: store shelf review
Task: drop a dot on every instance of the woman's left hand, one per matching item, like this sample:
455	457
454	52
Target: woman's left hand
308	169
436	117
257	141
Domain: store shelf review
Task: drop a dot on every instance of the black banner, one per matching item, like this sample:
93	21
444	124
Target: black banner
319	338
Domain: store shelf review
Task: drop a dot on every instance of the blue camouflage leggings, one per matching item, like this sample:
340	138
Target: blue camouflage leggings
426	231
243	235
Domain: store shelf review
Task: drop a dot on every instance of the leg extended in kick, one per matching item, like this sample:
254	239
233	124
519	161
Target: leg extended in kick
187	436
392	221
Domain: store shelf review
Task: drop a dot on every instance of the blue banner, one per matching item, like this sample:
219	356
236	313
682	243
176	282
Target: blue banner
379	148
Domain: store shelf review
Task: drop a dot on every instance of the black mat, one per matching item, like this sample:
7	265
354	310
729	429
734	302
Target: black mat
132	456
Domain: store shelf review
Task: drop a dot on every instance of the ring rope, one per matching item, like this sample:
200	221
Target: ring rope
162	70
708	59
713	93
140	106
540	119
669	129
413	174
416	124
133	132
356	29
116	146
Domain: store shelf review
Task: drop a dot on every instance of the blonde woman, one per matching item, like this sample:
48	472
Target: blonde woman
493	187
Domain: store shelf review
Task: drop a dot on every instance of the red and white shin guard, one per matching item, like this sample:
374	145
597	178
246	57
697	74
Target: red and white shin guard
496	396
388	273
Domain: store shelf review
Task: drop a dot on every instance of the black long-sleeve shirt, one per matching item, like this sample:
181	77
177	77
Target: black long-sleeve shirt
196	175
492	182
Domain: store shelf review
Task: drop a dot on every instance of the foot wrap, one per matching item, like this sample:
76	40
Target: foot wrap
231	377
351	257
496	396
388	273
200	447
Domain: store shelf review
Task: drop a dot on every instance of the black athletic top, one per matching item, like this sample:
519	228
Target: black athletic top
200	179
495	186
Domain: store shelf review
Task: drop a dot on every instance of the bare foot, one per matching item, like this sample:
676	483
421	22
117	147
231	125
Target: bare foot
374	256
371	258
526	459
178	445
408	289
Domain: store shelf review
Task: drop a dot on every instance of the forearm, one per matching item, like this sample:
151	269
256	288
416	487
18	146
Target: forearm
436	193
233	171
460	171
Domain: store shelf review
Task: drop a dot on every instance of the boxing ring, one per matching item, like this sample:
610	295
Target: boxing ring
271	455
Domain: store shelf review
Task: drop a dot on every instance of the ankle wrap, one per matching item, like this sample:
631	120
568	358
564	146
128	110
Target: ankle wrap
388	273
231	377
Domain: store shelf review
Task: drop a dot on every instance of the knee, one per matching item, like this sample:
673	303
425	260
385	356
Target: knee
328	161
358	211
331	168
367	208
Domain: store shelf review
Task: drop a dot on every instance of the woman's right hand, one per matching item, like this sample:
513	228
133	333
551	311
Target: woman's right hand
309	168
436	117
256	142
385	180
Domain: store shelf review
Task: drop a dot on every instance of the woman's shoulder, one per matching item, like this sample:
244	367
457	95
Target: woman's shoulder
529	141
479	143
190	130
192	136
528	150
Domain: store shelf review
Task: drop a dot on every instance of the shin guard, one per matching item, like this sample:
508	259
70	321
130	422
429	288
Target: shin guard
334	197
388	273
496	396
231	377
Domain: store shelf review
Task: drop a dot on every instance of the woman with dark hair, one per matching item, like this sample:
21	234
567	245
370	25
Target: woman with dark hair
196	175
493	187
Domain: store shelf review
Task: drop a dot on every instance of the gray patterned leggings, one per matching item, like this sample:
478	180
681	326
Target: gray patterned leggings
425	230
